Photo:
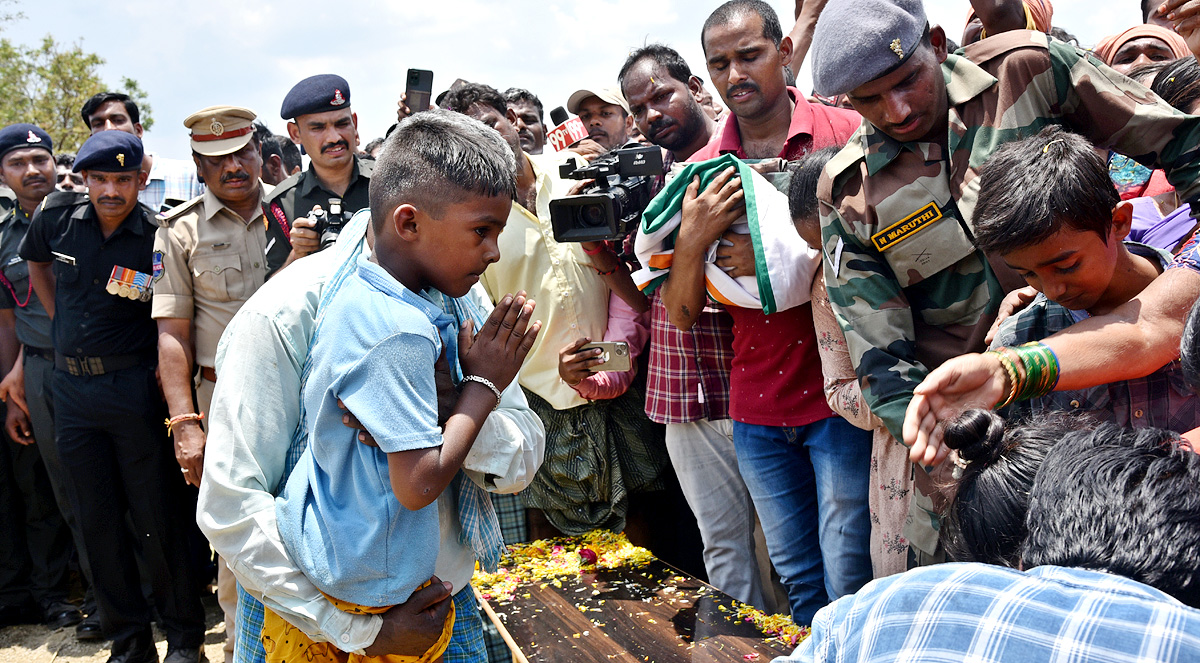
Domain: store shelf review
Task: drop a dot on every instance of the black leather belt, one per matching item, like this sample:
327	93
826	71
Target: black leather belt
44	353
96	365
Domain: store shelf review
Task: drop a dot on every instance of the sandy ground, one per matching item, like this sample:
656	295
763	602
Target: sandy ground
38	644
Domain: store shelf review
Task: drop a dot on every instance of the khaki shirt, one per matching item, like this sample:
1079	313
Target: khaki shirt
212	262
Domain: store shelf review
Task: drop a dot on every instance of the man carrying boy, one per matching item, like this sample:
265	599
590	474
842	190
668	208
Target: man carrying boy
438	205
1078	263
261	360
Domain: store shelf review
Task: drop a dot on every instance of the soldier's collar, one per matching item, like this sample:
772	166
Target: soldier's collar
135	222
965	80
310	180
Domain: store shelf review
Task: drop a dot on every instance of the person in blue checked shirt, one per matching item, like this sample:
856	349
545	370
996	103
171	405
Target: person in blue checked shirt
1110	571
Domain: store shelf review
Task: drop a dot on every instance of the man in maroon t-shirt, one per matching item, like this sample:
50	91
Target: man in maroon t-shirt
806	468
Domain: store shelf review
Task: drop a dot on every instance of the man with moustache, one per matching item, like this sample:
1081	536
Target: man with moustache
90	260
765	112
320	119
209	257
35	543
665	103
531	121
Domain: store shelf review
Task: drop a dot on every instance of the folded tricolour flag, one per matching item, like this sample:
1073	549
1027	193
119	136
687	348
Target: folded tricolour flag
784	263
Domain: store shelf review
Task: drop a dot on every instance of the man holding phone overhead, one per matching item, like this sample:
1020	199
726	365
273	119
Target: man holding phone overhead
307	210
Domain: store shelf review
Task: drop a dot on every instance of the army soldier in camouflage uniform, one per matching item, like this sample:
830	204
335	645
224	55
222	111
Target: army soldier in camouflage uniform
319	118
904	277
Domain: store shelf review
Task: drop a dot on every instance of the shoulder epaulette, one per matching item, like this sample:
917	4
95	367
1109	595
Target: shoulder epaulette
164	219
366	167
58	199
285	186
852	153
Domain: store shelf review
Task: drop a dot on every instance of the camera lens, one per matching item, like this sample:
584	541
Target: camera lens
592	216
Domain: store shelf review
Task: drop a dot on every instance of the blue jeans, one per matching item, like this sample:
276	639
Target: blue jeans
809	486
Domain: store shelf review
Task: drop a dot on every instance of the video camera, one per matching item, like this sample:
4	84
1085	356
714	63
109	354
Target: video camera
612	207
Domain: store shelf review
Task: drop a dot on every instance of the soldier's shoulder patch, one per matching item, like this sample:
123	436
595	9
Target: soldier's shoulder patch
906	227
58	199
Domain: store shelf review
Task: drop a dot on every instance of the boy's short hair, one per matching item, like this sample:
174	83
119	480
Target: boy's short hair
1120	500
806	173
1029	189
437	157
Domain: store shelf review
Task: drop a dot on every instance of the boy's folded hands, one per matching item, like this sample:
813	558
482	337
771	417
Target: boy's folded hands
497	351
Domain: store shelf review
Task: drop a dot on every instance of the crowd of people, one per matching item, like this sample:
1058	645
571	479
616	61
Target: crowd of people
913	359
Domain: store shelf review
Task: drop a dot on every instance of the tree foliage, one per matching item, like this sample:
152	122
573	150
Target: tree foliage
47	85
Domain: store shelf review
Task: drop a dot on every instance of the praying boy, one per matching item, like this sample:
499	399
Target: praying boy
360	520
1048	209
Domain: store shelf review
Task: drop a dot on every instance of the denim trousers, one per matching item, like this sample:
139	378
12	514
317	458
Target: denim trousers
809	486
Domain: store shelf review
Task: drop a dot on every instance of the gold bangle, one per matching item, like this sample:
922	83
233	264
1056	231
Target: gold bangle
1011	371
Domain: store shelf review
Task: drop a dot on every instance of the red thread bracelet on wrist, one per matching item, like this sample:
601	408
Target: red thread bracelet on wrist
603	249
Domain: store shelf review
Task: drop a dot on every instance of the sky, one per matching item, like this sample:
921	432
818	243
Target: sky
187	56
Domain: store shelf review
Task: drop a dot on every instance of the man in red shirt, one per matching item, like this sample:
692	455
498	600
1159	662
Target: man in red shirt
806	468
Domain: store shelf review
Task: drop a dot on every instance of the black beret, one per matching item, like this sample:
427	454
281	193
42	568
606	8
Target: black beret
857	41
316	94
18	136
110	151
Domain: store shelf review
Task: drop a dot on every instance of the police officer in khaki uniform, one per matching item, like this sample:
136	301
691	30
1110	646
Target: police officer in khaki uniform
210	255
319	118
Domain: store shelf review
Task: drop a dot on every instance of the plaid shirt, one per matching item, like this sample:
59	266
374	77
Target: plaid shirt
688	378
171	182
991	614
1162	399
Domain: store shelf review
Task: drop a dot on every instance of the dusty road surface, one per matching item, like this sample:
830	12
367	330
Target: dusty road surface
38	644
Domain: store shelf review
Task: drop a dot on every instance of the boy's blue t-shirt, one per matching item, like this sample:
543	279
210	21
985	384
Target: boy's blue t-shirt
375	348
1162	399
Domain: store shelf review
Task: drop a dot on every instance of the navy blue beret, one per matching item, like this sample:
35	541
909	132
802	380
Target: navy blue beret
110	151
857	41
316	94
18	136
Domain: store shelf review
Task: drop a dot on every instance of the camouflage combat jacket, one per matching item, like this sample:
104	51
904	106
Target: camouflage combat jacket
905	280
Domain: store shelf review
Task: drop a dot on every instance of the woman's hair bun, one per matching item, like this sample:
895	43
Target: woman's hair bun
977	435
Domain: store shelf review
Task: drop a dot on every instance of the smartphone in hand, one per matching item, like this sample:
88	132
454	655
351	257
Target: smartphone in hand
615	355
419	89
